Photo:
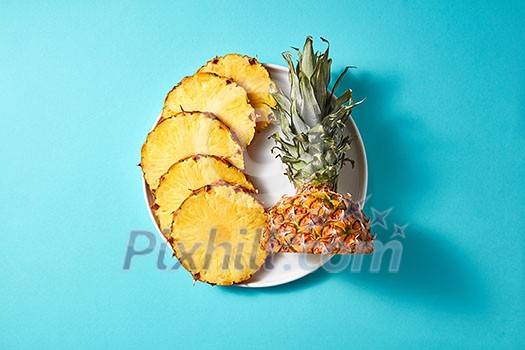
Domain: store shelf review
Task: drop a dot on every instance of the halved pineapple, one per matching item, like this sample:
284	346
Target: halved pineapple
218	95
188	175
252	76
216	234
184	135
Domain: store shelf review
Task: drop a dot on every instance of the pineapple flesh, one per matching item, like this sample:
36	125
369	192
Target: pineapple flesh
185	135
215	94
188	175
253	77
217	234
312	142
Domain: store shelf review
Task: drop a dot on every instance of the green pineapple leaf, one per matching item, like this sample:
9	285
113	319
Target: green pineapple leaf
312	140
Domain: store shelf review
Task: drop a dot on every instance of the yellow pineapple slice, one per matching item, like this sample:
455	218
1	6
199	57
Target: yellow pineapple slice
209	92
184	135
252	76
217	232
188	175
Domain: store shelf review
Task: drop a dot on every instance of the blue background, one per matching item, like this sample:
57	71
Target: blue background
443	123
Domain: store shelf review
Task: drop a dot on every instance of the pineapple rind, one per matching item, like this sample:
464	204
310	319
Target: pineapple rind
317	220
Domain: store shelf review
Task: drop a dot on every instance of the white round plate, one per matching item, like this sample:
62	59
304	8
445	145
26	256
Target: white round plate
267	174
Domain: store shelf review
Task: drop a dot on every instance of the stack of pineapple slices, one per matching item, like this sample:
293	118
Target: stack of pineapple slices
193	160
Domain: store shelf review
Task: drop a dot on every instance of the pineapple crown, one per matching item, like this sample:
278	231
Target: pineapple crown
313	138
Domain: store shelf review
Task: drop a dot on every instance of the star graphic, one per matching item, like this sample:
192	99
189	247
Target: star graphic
378	218
399	231
364	201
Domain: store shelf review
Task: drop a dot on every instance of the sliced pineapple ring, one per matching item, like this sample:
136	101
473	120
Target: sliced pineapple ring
216	234
218	95
252	76
188	175
184	135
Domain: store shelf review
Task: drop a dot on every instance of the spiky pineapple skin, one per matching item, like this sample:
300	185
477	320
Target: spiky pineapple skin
317	220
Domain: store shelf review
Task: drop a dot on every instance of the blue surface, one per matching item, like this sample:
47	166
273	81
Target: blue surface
443	124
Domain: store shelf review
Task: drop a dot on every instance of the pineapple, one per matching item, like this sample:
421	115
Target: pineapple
253	77
184	135
216	234
188	175
312	142
209	92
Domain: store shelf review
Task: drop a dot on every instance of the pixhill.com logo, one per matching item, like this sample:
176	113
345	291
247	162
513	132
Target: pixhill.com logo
145	244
